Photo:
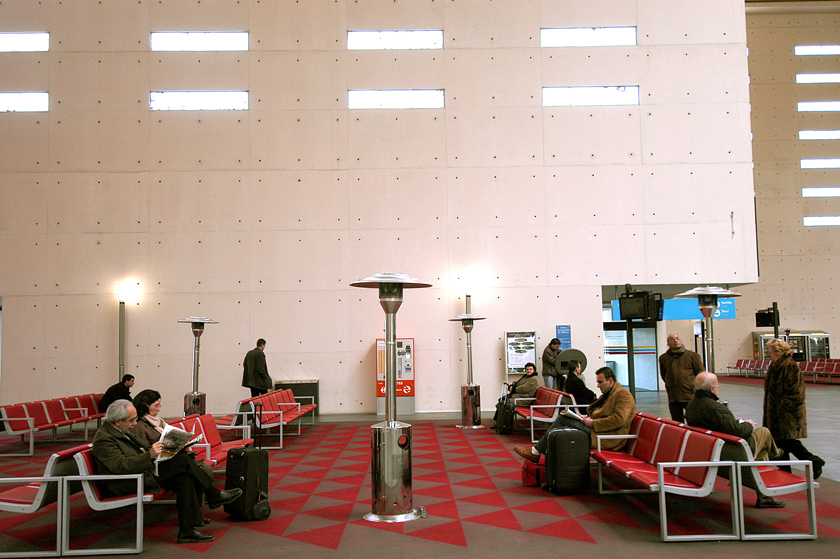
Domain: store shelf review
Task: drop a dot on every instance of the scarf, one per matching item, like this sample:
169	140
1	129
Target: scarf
155	422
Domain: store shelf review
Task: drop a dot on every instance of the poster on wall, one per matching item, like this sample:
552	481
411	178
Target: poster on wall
405	367
520	348
564	334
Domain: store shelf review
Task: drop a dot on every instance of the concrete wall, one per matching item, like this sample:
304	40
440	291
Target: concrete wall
261	219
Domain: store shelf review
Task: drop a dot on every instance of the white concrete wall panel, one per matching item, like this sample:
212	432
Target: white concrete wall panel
316	140
598	136
509	197
396	138
199	201
297	200
297	81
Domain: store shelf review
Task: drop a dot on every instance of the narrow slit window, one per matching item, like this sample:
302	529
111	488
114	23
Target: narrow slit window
24	102
588	37
816	50
819	163
818	106
198	101
585	96
395	99
821	192
199	41
819	134
24	42
395	40
817	78
821	220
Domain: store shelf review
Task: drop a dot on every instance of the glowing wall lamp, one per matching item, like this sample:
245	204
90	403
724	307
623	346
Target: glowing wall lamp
127	291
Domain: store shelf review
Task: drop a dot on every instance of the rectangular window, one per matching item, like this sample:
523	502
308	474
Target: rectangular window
821	220
819	163
24	102
395	40
817	78
816	50
818	106
590	96
24	42
821	192
198	101
588	37
395	99
819	134
196	41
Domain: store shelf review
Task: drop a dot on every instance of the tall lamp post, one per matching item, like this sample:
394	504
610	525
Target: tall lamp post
470	393
195	401
707	300
390	440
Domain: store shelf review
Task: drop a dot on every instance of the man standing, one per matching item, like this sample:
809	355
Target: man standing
611	414
119	391
706	411
549	360
677	367
255	375
119	452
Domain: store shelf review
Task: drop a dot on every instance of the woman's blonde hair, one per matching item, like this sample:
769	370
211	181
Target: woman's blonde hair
780	346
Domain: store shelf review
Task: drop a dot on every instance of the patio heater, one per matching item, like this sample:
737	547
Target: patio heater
195	401
470	393
707	300
390	440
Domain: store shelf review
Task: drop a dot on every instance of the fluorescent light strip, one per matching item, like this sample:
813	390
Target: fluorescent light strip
821	220
198	101
24	102
818	106
819	163
199	41
590	96
395	40
819	134
821	192
817	78
588	37
24	42
816	50
395	99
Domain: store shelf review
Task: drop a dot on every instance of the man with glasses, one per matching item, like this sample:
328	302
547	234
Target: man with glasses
611	414
117	451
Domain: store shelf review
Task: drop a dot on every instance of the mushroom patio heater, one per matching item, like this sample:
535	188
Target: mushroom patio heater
470	393
707	300
390	440
195	401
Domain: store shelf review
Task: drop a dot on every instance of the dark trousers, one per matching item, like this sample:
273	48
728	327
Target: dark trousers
182	475
677	410
795	447
257	391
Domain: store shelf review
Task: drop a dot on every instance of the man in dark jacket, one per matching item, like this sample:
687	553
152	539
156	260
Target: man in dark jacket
119	391
255	374
706	411
677	367
117	451
576	387
549	363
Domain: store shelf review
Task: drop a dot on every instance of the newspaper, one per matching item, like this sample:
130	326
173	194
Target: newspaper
569	413
174	440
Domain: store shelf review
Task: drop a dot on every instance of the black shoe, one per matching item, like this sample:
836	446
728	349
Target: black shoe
204	522
767	502
818	466
194	536
224	497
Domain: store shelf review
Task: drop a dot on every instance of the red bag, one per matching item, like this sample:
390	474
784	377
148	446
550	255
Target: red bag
533	473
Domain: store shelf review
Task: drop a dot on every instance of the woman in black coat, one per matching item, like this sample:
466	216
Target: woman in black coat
784	405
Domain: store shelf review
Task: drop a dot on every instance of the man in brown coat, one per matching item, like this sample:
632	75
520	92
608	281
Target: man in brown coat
678	366
611	414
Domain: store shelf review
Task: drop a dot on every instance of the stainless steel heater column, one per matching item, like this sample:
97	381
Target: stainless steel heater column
390	441
707	300
195	401
470	393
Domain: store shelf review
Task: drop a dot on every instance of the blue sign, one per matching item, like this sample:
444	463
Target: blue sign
687	309
564	334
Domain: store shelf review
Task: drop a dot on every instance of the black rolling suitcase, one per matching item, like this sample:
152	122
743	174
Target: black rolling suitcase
247	469
567	461
505	410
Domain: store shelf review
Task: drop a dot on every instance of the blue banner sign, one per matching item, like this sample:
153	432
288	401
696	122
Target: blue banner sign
564	334
687	309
